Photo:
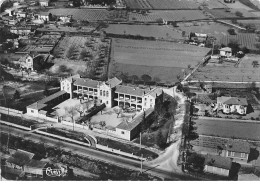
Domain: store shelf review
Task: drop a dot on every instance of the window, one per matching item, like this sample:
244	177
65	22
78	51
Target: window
32	111
100	92
145	99
151	100
145	104
243	155
122	132
232	153
107	102
104	93
107	93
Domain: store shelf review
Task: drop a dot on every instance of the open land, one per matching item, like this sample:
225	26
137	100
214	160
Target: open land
256	22
245	72
228	129
212	4
162	4
154	57
155	31
168	15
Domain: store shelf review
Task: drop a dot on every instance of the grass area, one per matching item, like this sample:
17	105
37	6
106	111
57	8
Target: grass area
126	147
18	120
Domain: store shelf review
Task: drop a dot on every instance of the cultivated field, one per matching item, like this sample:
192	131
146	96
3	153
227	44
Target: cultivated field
212	4
245	72
168	15
244	39
162	4
91	15
221	14
154	57
79	53
165	31
252	21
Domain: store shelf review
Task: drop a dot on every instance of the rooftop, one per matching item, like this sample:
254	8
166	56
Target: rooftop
227	49
20	157
238	146
218	161
132	90
86	82
113	82
37	164
232	100
135	122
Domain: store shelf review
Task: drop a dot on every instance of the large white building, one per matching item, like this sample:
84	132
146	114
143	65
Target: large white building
111	92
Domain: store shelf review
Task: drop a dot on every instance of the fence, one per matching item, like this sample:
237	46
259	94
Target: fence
9	110
75	124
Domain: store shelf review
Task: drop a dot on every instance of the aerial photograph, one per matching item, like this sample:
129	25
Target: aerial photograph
130	90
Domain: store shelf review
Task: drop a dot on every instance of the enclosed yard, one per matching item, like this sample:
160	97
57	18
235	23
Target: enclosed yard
158	59
245	72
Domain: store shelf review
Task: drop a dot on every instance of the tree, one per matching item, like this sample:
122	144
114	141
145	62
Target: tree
255	64
239	14
102	124
160	139
118	111
134	78
231	31
196	161
16	95
146	78
233	44
157	79
46	91
80	109
71	112
159	21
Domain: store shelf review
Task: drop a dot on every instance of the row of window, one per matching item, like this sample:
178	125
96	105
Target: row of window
105	93
232	154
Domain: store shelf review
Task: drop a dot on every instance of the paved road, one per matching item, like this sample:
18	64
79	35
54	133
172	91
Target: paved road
115	159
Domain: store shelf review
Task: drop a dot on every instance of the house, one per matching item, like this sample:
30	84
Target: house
238	150
64	18
21	30
44	2
111	92
37	167
26	62
42	16
225	52
19	159
232	105
217	165
21	14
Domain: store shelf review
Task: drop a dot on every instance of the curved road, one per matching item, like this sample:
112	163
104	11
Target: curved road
99	155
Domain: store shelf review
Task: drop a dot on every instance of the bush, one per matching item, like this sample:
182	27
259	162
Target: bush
231	31
239	14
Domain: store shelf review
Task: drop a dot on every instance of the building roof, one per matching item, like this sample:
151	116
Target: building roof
218	161
232	100
86	82
132	90
43	13
113	82
37	164
36	106
23	58
156	92
135	122
44	0
51	97
238	146
20	157
227	49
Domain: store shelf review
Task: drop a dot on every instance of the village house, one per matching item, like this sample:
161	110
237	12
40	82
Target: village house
237	150
225	52
44	2
232	105
21	30
217	165
26	62
44	16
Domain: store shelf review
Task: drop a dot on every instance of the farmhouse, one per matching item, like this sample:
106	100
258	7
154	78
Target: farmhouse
225	52
232	105
217	165
110	92
26	62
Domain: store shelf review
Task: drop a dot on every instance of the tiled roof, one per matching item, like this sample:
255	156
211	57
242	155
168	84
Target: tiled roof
37	164
218	161
36	106
74	77
156	91
238	146
232	100
86	82
113	82
20	157
135	122
227	49
132	90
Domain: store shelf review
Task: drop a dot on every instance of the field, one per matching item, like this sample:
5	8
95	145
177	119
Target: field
244	40
213	4
245	72
156	31
90	15
246	13
221	14
154	57
79	53
211	28
170	15
228	129
161	5
252	21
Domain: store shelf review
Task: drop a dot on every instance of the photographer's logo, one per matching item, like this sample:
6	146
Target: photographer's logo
55	172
